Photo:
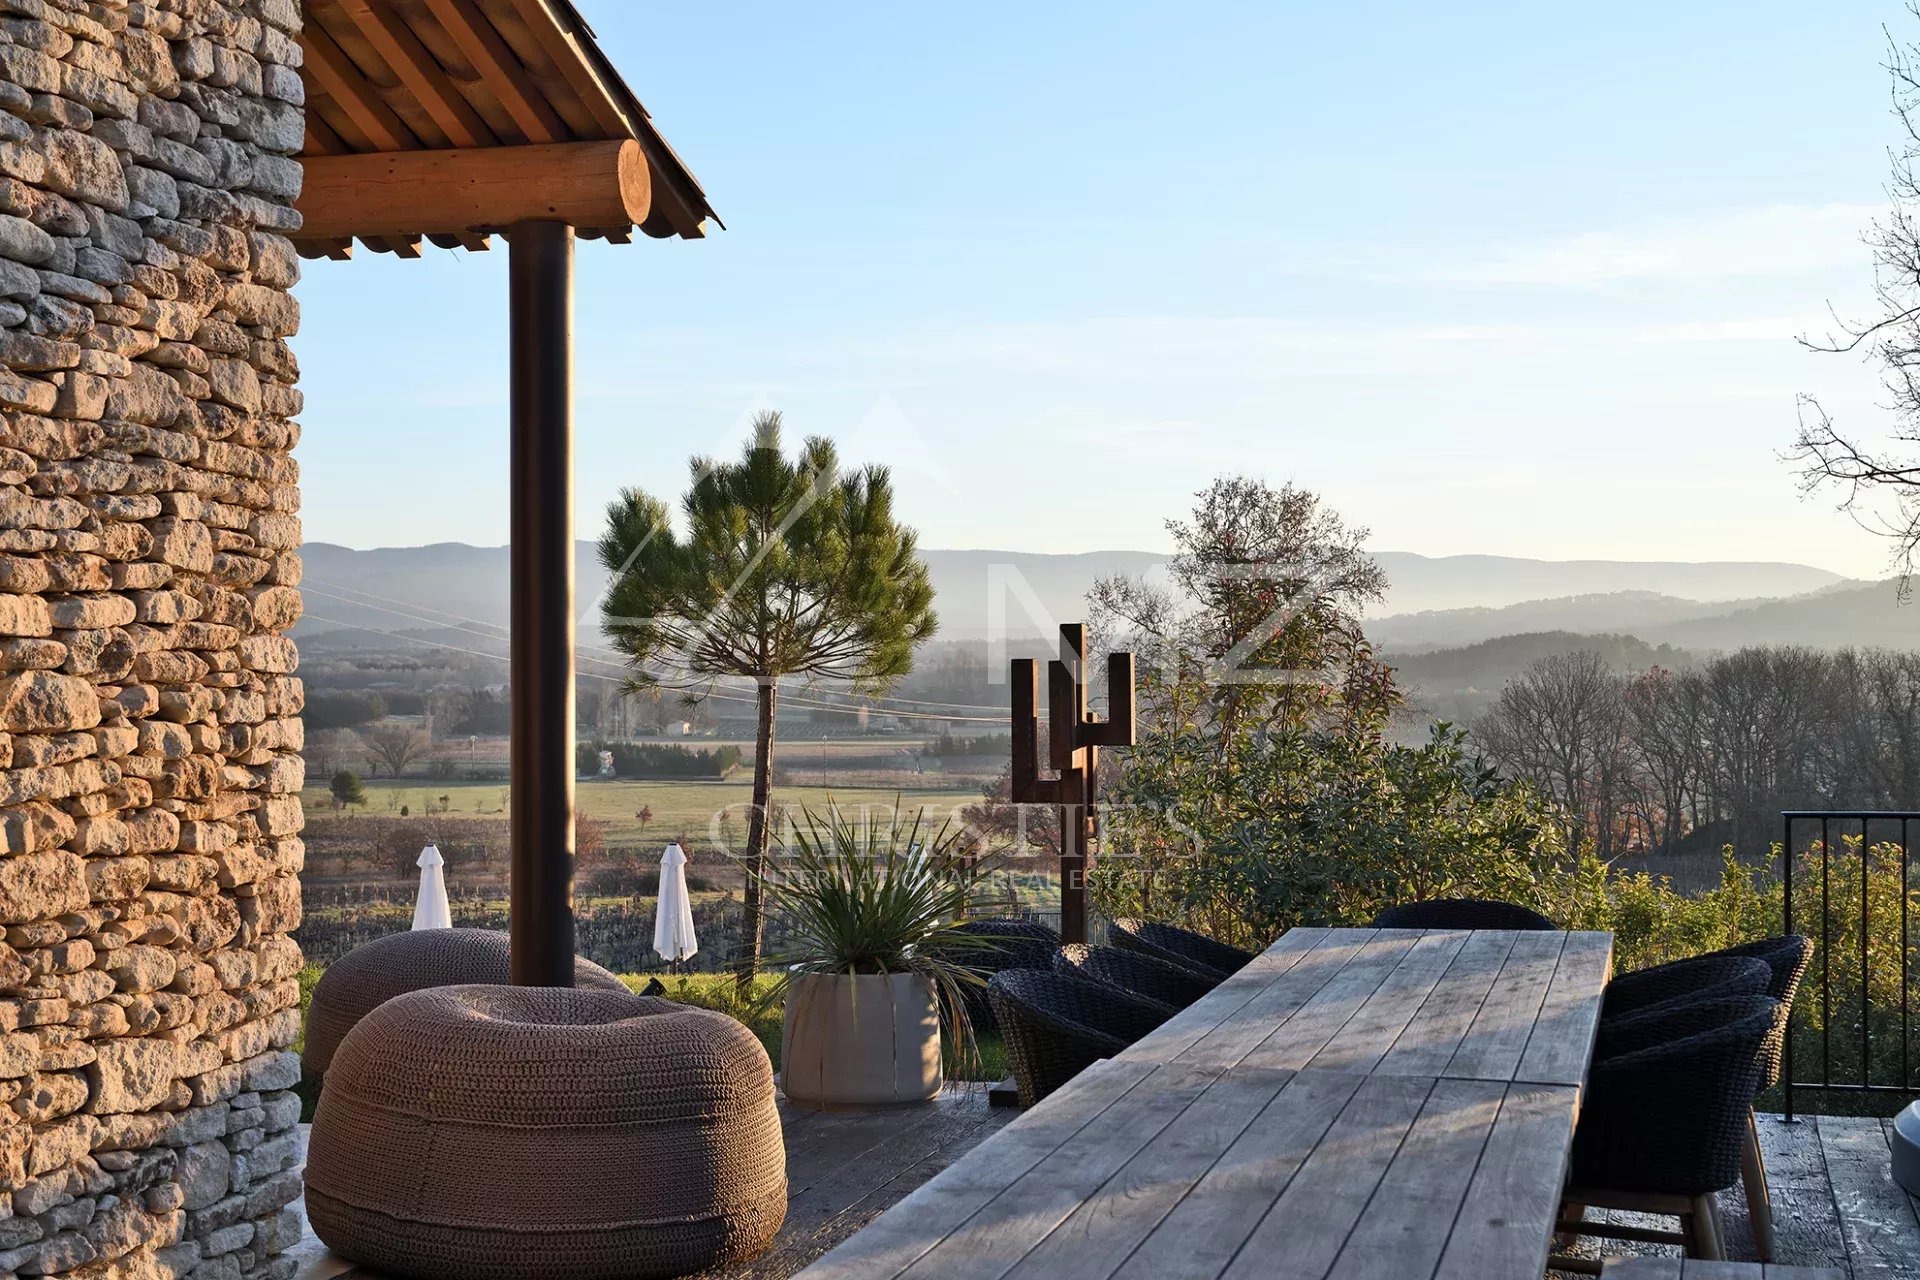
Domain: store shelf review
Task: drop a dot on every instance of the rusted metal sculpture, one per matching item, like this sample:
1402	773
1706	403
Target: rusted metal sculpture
1074	738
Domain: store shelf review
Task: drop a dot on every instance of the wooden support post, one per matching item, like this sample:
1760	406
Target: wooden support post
541	608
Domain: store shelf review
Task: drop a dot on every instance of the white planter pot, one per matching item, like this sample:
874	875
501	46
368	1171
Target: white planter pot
859	1040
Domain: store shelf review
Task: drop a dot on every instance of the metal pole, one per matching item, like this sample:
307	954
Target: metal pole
541	611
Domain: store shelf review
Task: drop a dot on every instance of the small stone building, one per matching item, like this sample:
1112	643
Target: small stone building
150	733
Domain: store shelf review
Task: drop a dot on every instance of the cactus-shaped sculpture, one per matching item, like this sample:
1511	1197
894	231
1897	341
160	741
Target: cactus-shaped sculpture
1074	738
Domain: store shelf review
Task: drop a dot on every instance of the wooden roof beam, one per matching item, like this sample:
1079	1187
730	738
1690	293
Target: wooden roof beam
500	69
418	70
415	193
353	94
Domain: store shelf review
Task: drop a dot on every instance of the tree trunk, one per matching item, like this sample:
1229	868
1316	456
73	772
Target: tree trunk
747	962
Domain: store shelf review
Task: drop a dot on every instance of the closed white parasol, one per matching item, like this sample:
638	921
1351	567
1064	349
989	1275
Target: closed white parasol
673	925
430	909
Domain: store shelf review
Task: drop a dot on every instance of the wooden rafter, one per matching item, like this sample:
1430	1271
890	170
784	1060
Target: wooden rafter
573	65
452	79
352	94
500	70
419	72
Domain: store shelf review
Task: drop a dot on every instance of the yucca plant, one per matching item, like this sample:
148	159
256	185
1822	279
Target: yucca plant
882	893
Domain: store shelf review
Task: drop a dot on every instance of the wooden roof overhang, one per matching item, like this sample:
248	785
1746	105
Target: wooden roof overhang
447	120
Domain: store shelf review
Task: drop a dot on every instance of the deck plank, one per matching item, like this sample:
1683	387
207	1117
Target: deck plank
1806	1219
1877	1223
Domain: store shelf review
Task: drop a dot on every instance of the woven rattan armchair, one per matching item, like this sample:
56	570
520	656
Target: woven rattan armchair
1056	1026
1787	959
1005	943
1683	981
1192	951
1462	913
1133	972
1662	1128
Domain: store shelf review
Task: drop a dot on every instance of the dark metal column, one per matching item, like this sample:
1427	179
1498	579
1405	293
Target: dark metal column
541	268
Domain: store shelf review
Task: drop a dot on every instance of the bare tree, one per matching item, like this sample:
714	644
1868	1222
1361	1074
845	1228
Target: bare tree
1879	484
395	746
1561	724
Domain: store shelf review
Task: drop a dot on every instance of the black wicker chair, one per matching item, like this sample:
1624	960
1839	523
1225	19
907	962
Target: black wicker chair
1056	1026
1787	959
1662	1127
1005	943
1134	972
1194	952
1685	981
1462	913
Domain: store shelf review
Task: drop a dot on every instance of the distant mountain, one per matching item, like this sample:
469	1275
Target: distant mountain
448	586
1422	583
1459	684
1635	612
451	585
1864	614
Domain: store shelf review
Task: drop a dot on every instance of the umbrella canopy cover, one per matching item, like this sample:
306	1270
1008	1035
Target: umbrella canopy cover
673	926
430	908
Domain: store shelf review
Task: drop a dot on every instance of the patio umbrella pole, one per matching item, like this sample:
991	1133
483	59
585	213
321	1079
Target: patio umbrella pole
541	612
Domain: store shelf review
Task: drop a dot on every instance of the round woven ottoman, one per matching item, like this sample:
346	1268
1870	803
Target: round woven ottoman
524	1133
375	972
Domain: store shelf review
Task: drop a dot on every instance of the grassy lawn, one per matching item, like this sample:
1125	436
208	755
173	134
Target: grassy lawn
696	810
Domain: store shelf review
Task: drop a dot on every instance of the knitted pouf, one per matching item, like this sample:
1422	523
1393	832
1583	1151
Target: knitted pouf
523	1133
375	972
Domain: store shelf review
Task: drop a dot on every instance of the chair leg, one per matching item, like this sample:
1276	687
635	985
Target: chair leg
1702	1225
1571	1211
1753	1173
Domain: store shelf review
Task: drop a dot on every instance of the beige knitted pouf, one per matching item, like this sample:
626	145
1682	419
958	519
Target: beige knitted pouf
375	972
522	1133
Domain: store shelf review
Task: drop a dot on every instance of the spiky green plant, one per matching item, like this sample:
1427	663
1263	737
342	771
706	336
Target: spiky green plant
883	893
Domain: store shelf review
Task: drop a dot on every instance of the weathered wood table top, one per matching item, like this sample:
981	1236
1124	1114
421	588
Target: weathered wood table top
1355	1103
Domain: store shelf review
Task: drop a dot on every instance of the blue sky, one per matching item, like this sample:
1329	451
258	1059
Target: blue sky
1494	277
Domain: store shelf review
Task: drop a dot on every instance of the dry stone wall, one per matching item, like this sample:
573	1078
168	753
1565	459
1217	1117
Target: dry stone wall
149	714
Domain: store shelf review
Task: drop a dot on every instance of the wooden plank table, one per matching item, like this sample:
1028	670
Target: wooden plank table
1355	1103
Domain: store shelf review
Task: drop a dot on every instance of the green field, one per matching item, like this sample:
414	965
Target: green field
697	811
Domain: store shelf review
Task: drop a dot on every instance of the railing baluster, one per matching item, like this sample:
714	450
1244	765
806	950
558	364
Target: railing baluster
1866	991
1786	852
1904	1083
1826	953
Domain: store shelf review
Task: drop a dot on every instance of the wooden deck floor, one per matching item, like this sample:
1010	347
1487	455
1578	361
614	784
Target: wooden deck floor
1835	1203
843	1170
1834	1200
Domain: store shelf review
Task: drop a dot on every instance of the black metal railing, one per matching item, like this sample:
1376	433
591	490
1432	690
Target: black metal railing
1851	893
